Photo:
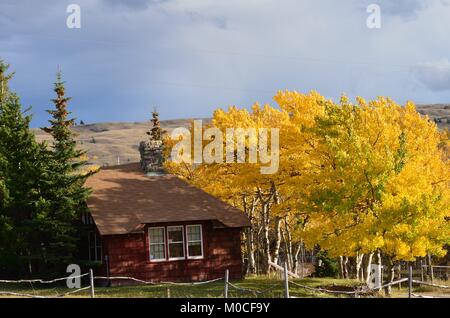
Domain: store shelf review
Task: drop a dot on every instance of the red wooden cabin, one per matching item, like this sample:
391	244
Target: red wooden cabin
160	228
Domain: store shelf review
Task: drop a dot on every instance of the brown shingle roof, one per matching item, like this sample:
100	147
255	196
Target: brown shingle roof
124	198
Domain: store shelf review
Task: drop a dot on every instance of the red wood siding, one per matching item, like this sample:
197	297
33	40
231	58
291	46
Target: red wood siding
129	256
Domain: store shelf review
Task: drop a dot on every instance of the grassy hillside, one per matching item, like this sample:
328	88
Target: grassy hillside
113	143
440	113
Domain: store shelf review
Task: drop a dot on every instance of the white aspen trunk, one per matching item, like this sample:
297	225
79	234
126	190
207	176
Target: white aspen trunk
345	267
368	264
380	268
250	252
302	257
250	237
391	276
289	244
357	265
341	267
276	251
295	258
266	238
358	260
265	221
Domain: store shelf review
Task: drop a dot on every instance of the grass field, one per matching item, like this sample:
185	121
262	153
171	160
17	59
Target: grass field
267	287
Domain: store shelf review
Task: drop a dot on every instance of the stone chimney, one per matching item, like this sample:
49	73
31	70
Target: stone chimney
151	150
152	156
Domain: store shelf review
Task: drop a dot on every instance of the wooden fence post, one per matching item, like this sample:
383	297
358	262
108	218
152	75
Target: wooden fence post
225	291
286	280
410	280
422	276
431	267
91	276
108	283
431	273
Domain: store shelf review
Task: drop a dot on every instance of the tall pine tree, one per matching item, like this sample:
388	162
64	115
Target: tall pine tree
156	132
22	166
5	220
65	187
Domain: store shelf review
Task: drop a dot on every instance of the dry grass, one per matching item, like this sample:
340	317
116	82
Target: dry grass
109	143
439	112
268	287
254	287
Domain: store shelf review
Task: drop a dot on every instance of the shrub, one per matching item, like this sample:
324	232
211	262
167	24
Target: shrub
328	266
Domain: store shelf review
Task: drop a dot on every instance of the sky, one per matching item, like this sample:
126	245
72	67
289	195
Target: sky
189	57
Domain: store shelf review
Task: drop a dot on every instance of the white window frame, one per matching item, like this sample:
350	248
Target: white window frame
183	242
201	241
163	243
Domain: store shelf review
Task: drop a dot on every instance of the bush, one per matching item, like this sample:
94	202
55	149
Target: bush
328	266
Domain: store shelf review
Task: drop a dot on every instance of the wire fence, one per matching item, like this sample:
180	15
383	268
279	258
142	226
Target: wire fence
360	290
433	272
283	286
128	278
41	281
91	286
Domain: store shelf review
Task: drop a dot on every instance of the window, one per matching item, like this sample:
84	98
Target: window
194	241
86	218
175	235
156	237
95	246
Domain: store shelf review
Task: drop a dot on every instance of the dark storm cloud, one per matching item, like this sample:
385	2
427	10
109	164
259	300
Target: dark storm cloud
134	4
435	75
403	8
189	57
197	17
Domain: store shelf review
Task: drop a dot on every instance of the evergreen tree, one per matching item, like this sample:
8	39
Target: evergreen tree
4	79
156	132
5	220
41	190
65	187
21	168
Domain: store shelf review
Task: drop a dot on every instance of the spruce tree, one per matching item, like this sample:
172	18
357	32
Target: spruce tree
5	220
65	187
3	190
21	169
156	132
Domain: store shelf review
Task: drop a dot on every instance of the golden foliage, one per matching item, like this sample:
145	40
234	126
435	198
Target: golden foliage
353	177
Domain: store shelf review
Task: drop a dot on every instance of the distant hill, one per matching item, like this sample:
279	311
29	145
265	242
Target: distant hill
113	143
440	113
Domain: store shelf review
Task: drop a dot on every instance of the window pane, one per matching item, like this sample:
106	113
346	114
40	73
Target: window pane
91	238
156	235
98	241
195	249
99	254
157	251
176	250
92	254
175	234
194	233
157	244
